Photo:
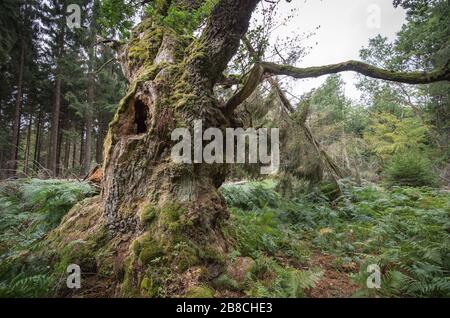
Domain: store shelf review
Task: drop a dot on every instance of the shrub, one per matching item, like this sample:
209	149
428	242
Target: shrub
410	169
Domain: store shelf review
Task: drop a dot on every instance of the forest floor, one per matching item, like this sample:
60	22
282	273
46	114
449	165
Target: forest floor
304	245
334	283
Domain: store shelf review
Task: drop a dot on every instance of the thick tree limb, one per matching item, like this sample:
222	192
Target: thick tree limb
220	39
369	70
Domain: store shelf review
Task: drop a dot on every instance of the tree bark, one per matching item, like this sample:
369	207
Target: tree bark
262	68
80	158
28	146
87	151
89	124
37	143
176	90
17	111
59	146
99	142
74	153
54	134
171	82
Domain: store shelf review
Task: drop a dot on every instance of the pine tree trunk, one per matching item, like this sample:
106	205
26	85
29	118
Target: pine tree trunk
80	158
66	155
28	146
87	152
37	144
58	149
54	134
17	110
74	153
99	144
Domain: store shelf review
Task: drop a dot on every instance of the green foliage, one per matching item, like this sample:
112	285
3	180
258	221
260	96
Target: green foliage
27	286
200	292
53	198
116	17
388	134
251	195
269	279
29	209
402	229
181	19
410	169
330	97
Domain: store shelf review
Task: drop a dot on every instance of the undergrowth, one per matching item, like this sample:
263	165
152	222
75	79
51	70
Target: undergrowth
29	209
404	230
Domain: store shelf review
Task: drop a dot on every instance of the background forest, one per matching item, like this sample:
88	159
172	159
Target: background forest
361	181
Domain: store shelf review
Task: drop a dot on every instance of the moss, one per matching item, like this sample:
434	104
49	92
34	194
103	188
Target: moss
148	215
226	282
185	255
147	249
149	71
128	287
200	292
146	283
145	46
80	253
172	217
210	254
148	288
149	252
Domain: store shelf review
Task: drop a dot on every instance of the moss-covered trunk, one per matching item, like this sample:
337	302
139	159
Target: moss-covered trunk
173	208
157	224
165	93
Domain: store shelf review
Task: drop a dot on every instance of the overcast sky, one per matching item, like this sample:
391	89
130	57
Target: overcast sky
345	27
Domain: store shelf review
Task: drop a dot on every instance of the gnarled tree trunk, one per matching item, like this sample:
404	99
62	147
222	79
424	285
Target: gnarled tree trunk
172	211
171	82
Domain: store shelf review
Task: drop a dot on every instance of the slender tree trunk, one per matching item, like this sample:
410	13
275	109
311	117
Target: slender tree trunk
37	144
87	152
17	111
28	145
102	129
80	161
66	154
2	156
74	153
54	134
58	148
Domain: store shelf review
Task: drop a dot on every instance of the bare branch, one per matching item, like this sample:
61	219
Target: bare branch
104	64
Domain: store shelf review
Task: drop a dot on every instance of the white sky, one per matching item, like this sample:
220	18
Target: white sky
345	27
